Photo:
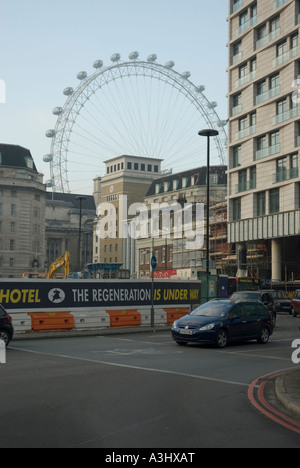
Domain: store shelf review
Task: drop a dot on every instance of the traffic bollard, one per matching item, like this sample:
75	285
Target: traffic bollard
2	352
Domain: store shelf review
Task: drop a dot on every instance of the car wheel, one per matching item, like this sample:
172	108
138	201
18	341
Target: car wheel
222	339
4	336
293	312
264	336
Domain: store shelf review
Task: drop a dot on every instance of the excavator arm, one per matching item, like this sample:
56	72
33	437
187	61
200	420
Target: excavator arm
61	262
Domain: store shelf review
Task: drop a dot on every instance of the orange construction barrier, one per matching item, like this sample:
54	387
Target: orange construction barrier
176	313
124	318
41	321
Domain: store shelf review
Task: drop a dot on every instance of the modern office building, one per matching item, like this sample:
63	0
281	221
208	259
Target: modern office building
264	133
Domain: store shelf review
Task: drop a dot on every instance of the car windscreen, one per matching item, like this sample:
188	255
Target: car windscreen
242	296
212	309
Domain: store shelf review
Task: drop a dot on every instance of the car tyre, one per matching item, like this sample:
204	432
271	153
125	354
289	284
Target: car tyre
222	338
264	336
4	336
294	314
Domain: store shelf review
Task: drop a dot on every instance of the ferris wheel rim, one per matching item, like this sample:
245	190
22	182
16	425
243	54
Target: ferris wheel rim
76	99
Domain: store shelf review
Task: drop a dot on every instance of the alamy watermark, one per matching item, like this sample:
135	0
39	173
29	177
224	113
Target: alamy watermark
2	92
159	220
296	93
296	353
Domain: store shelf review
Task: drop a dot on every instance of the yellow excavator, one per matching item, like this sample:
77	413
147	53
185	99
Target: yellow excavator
61	262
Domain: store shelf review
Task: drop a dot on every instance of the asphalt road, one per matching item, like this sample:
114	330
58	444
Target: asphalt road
140	391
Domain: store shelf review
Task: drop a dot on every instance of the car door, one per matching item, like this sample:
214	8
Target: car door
251	320
296	302
235	326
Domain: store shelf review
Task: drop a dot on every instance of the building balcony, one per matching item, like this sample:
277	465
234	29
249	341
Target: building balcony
285	57
267	95
246	185
247	25
267	39
286	174
245	132
287	115
265	152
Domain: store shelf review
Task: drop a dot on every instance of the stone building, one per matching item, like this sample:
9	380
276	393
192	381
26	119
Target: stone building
22	213
126	182
177	257
62	228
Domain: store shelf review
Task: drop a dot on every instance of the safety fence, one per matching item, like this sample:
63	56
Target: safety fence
88	319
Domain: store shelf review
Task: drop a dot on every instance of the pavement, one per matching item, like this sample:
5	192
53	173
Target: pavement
287	384
287	389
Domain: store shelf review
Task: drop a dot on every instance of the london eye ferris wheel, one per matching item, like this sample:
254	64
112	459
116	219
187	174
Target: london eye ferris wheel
133	107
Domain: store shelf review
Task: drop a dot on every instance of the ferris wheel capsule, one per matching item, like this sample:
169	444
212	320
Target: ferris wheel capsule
200	88
49	183
170	64
133	55
186	74
115	57
48	158
212	105
98	64
68	91
152	58
81	75
50	133
57	111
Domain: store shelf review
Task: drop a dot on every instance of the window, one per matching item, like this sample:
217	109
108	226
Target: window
11	245
136	166
13	210
261	143
261	204
237	156
236	209
242	180
243	123
250	310
149	168
236	52
281	48
274	201
252	177
281	107
129	165
274	142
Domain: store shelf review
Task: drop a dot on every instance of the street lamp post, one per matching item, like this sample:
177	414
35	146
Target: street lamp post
208	133
81	199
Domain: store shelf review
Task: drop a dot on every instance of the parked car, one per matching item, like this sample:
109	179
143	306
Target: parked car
263	296
295	303
281	300
6	328
221	321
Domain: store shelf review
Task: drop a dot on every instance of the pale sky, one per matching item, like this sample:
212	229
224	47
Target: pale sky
46	43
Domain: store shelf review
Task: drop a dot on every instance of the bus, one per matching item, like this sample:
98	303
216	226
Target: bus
231	284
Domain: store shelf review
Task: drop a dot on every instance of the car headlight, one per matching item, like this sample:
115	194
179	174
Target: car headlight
207	327
174	325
